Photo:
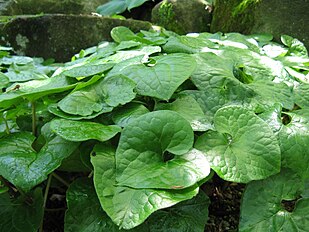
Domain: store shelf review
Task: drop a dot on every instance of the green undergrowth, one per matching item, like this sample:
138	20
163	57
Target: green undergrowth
134	127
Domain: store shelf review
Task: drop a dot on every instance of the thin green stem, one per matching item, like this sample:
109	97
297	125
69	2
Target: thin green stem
7	128
90	174
45	199
33	111
60	179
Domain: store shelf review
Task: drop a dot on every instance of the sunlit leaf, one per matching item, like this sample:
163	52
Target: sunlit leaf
243	147
163	78
129	207
99	97
263	206
23	166
81	130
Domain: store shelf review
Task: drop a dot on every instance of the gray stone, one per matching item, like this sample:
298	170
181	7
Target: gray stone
24	7
61	36
277	17
182	16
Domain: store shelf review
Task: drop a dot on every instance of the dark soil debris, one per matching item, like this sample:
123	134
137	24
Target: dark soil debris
224	209
54	212
289	205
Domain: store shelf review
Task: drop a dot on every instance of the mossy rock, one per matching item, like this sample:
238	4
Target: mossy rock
61	36
182	16
277	17
23	7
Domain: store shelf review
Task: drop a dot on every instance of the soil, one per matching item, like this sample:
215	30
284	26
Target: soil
224	209
55	211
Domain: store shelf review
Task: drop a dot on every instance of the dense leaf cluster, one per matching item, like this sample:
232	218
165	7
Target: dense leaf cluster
151	116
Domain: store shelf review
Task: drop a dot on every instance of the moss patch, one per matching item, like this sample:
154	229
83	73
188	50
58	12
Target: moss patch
234	16
166	17
166	11
182	16
243	5
61	36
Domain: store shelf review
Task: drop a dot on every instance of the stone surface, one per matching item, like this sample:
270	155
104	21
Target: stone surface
23	7
182	16
61	36
263	16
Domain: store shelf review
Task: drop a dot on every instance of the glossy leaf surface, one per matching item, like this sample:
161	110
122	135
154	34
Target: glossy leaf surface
88	69
100	97
81	131
127	113
164	77
146	141
294	142
26	168
23	214
190	215
35	89
263	208
84	210
243	148
188	108
129	207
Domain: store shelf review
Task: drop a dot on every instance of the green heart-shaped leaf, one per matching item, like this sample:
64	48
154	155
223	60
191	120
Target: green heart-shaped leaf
25	75
81	131
35	89
243	148
273	204
301	95
25	168
87	69
53	108
178	173
143	145
122	116
120	34
226	92
4	80
18	215
188	108
129	207
273	118
100	96
190	215
259	67
187	44
211	70
134	3
222	76
269	93
294	142
162	79
84	210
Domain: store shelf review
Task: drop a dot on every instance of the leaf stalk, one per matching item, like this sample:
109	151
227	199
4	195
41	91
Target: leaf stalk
7	128
61	179
45	200
33	111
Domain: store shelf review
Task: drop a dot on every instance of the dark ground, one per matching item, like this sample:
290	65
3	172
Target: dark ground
225	204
